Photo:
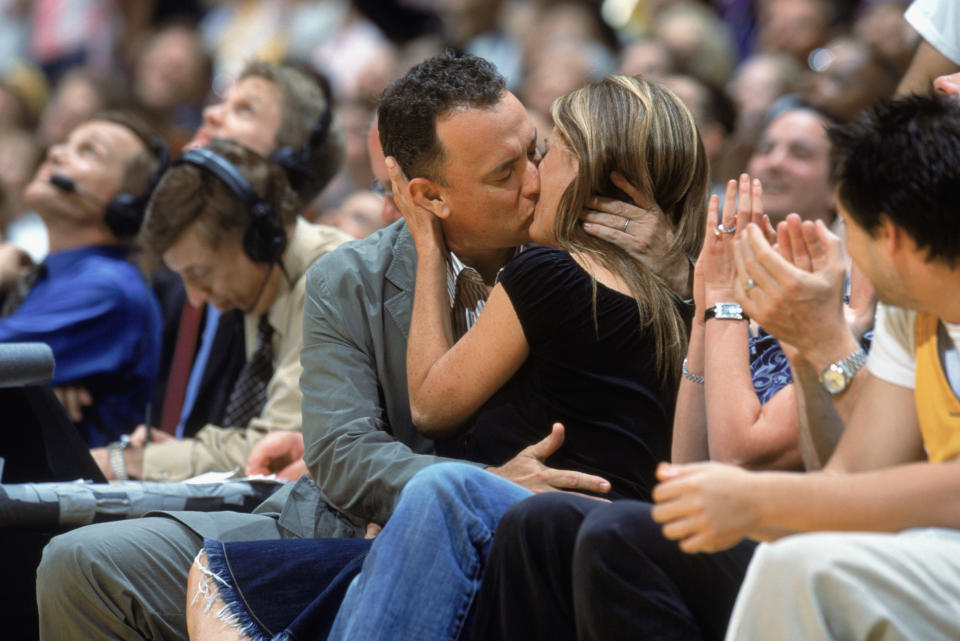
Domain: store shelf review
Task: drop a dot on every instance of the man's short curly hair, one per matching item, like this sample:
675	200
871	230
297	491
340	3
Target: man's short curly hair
410	107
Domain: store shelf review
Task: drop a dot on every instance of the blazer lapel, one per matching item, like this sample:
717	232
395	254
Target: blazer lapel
401	274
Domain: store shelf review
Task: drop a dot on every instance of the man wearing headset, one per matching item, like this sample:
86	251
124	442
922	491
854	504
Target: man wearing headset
279	112
87	301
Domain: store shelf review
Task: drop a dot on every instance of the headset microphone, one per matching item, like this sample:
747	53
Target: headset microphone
62	182
67	184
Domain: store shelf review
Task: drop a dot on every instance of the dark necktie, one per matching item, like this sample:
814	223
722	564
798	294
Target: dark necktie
470	291
249	393
21	288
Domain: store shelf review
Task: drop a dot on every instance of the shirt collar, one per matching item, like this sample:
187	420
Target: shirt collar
64	261
456	267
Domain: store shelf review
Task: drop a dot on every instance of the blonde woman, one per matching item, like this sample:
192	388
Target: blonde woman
579	334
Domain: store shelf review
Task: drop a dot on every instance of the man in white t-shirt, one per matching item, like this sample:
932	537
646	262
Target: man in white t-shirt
894	477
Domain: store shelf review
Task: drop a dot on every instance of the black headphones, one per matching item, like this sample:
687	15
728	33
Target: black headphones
296	164
124	214
265	238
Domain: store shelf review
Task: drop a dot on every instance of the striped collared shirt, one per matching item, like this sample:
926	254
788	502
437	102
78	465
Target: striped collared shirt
468	293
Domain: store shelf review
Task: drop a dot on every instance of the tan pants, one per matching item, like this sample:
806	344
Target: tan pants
852	587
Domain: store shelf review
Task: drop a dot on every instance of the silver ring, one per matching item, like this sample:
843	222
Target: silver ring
720	229
749	284
626	223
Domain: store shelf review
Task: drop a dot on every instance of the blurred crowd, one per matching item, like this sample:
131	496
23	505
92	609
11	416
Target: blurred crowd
729	60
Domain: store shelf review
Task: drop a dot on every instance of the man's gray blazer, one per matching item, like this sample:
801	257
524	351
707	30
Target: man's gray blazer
361	446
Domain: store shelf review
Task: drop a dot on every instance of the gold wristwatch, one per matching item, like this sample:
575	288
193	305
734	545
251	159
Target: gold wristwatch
836	377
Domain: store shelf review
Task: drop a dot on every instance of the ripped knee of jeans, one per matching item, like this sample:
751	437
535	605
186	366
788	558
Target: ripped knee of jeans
208	592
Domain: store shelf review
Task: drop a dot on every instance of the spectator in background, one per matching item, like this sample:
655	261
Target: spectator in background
792	160
698	40
715	116
794	27
355	174
560	67
23	92
647	57
882	27
86	300
66	33
358	215
563	50
378	166
755	86
80	93
354	55
19	156
171	78
847	77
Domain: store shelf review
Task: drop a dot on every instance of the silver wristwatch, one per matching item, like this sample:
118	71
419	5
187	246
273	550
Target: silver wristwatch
836	377
725	311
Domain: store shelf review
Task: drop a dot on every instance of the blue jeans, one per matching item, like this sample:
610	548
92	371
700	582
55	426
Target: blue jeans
425	567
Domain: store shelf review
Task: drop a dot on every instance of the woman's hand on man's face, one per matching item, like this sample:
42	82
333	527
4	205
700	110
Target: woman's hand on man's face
640	229
424	226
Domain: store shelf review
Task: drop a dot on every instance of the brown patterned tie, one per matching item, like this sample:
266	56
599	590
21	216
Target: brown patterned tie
470	291
249	393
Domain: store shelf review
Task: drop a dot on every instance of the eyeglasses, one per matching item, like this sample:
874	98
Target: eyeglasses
380	189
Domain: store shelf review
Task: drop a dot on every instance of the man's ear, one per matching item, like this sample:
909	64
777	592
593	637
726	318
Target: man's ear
891	235
427	194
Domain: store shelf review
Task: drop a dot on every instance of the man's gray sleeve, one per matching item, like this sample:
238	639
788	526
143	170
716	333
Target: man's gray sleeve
360	443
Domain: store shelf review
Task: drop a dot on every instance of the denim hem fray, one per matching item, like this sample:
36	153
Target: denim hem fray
233	613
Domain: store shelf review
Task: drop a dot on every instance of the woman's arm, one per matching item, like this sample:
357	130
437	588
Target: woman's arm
690	416
740	430
449	382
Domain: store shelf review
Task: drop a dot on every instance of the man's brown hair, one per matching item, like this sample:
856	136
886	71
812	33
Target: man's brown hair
139	171
189	194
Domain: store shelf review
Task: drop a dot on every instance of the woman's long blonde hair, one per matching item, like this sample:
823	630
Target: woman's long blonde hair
642	130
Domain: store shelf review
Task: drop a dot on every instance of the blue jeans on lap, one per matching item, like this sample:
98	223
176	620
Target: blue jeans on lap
424	569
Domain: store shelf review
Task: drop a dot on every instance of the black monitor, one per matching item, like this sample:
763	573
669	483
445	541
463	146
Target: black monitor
38	442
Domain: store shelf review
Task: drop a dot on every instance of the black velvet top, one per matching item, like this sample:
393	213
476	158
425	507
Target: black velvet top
599	380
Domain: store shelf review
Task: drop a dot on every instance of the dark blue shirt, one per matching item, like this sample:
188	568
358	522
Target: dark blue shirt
94	310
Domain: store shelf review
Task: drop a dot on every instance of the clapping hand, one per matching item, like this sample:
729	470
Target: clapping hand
794	289
716	272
